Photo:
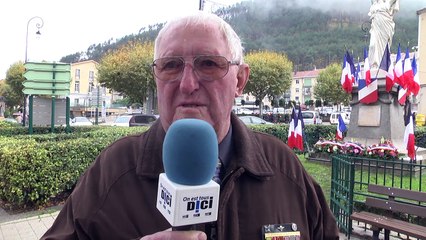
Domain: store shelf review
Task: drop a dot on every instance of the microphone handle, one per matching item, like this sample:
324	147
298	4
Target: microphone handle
192	227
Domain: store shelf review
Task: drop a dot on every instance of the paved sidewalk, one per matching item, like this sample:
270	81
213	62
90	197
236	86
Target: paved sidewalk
26	226
32	225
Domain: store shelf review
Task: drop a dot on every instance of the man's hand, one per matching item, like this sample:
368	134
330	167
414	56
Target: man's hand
176	235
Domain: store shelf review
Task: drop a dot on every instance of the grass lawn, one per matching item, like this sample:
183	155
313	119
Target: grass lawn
321	172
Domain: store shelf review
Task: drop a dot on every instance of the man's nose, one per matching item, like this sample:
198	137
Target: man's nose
189	81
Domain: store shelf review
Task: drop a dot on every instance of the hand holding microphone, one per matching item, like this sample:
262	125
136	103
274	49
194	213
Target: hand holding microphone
186	194
176	235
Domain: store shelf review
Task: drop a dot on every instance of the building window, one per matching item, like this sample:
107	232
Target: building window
297	99
297	81
76	102
307	91
91	76
77	86
308	82
297	90
91	86
77	74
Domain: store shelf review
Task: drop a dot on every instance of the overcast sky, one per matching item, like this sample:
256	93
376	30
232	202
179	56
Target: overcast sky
72	26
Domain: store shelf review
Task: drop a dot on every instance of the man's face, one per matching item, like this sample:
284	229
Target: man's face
189	96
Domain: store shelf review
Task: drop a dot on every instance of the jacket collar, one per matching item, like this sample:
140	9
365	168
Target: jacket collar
248	152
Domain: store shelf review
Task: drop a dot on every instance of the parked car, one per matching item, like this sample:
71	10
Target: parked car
253	120
334	117
11	120
311	117
80	121
135	120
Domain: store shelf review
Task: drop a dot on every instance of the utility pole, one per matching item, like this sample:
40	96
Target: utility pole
201	7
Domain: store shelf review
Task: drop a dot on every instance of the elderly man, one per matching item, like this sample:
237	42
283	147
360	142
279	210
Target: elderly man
199	70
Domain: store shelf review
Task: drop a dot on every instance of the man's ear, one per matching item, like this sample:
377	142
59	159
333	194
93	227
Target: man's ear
242	78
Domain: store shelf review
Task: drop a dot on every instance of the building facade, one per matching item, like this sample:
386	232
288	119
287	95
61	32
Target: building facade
302	86
86	93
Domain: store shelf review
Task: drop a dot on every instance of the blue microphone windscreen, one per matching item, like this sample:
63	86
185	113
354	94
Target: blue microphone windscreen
190	152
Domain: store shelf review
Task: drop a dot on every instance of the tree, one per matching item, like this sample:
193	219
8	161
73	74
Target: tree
14	85
270	74
328	86
128	70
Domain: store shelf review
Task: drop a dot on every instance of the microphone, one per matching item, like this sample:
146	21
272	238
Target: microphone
186	193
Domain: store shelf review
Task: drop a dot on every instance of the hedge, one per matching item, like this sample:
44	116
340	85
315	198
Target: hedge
36	168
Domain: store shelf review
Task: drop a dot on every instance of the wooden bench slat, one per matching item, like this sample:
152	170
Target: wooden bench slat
396	206
380	221
398	192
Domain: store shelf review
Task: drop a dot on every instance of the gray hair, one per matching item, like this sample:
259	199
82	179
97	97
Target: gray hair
201	18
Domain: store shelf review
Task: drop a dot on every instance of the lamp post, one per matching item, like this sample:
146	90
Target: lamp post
39	24
365	27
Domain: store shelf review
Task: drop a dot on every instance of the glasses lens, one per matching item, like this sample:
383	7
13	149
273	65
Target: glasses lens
168	68
211	67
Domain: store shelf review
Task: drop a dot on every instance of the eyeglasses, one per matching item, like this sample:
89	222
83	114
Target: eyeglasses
207	68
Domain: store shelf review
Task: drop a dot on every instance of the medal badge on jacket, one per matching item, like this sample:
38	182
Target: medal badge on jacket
286	231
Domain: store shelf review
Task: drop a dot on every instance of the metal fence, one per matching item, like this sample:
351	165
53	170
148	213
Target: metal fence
351	176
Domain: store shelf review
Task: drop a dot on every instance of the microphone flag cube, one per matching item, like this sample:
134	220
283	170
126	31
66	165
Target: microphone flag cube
187	204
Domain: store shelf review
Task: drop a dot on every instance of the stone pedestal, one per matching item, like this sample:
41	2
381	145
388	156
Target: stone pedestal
384	118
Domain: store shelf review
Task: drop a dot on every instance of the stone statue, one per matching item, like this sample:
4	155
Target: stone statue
382	28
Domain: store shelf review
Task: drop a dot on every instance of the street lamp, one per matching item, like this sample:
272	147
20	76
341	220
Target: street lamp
365	27
39	24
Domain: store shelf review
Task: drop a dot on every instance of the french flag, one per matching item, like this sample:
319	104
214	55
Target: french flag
399	69
402	95
408	73
341	128
387	66
358	74
295	131
409	138
416	80
348	70
367	89
367	73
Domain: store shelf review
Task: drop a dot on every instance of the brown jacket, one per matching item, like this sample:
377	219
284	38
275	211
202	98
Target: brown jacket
264	184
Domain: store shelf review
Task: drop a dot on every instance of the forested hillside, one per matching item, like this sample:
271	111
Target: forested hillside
311	38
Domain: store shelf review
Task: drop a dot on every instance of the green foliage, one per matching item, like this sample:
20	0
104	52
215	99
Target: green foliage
36	168
128	70
309	37
13	89
328	87
270	74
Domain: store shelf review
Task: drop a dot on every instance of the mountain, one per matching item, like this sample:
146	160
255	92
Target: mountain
311	38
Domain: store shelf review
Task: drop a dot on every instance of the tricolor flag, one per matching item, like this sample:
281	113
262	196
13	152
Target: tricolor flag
416	80
409	138
408	73
387	66
348	73
295	132
367	92
341	128
367	73
402	95
399	69
358	74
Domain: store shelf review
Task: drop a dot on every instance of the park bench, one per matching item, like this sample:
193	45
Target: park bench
394	200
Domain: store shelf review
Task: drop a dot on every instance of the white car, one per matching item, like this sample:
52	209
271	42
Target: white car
345	115
253	120
80	121
311	117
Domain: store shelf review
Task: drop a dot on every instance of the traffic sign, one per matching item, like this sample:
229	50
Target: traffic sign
44	78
